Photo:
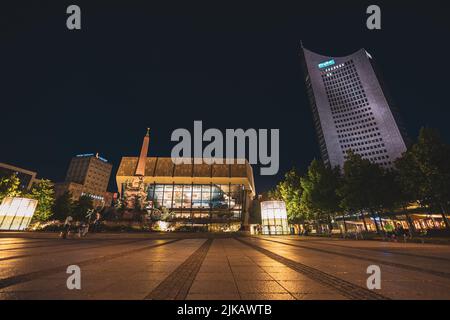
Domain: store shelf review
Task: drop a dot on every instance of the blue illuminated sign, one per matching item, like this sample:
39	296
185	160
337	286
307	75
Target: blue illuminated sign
85	155
326	64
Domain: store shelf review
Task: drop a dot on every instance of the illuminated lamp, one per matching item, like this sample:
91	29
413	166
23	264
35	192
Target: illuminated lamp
16	213
274	218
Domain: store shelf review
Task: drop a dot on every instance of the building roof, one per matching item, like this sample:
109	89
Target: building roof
164	170
14	168
32	174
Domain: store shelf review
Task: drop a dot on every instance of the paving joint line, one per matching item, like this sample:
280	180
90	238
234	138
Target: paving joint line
232	274
68	250
63	242
344	287
378	261
377	250
273	279
177	284
25	277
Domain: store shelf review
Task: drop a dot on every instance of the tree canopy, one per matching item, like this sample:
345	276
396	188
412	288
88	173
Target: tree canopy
63	206
43	192
9	187
422	174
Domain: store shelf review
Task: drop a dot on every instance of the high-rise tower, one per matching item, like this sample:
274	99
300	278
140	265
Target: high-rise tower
352	109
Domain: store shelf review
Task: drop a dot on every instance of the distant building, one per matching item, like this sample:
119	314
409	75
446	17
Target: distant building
216	196
352	109
88	174
26	177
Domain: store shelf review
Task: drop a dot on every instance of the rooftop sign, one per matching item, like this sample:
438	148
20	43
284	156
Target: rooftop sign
326	64
91	155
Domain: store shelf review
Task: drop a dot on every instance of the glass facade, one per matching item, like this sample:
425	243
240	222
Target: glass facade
16	213
196	201
274	218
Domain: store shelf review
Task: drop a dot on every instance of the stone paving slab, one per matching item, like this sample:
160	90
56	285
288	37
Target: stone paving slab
225	267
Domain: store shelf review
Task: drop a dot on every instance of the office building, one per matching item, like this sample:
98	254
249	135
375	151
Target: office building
352	109
88	174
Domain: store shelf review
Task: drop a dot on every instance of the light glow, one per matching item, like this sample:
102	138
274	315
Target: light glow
274	217
16	213
326	64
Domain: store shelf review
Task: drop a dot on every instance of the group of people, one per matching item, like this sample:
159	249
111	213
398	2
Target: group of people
394	233
82	227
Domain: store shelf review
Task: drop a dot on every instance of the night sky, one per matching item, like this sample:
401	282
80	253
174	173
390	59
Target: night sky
135	64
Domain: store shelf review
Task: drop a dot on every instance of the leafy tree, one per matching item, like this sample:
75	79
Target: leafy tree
290	191
424	172
365	187
43	192
63	206
273	194
10	187
319	190
82	206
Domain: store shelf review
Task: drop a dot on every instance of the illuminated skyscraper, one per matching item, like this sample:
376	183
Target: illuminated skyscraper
351	109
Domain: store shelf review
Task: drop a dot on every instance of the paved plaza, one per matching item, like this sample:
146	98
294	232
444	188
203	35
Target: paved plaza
222	266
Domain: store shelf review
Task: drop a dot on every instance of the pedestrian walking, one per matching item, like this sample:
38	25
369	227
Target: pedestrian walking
96	224
66	228
401	232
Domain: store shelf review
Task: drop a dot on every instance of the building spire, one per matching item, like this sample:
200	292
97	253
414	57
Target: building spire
140	168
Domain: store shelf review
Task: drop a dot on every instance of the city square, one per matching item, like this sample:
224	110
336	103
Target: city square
204	266
178	158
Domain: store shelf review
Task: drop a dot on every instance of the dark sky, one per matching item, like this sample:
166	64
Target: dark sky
136	64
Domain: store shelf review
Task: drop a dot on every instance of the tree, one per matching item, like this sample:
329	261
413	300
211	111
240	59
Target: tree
9	187
63	206
319	190
273	194
43	192
82	206
290	191
425	172
365	187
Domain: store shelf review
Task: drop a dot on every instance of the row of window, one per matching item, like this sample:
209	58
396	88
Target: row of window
359	133
352	108
375	146
351	113
359	127
366	117
361	138
370	153
354	123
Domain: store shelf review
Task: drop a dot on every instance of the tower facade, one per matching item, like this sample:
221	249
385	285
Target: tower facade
88	175
140	168
352	109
